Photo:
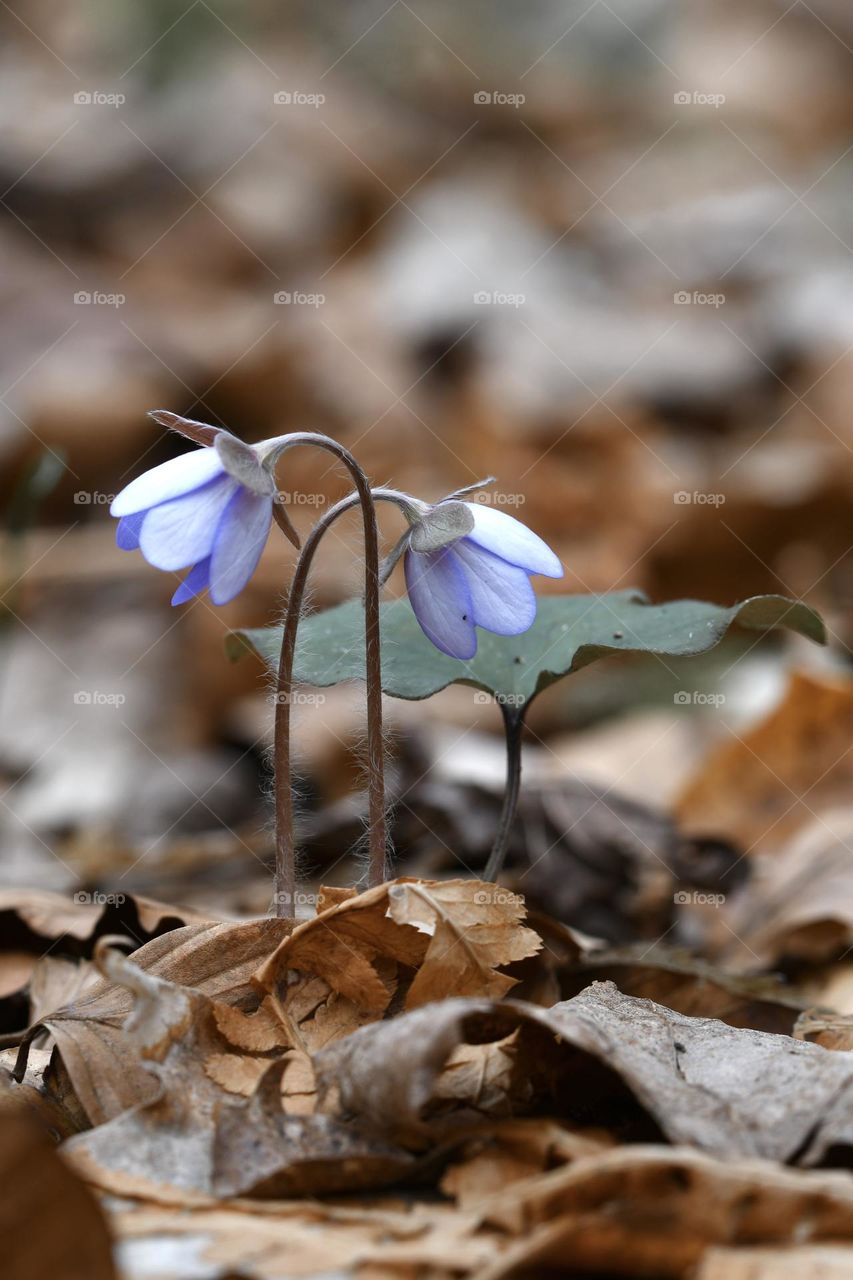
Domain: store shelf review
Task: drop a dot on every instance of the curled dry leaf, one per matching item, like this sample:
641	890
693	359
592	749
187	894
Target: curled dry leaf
700	1081
341	946
91	1040
475	929
454	933
187	1138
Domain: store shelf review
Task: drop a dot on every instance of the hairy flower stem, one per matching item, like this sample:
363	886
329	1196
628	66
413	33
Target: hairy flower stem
285	874
513	727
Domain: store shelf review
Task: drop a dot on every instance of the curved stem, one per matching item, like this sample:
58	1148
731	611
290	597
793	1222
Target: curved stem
285	876
513	727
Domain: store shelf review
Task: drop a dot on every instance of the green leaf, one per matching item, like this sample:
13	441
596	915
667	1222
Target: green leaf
570	632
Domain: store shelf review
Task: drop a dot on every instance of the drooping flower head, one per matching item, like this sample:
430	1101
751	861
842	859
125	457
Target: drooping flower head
467	566
208	511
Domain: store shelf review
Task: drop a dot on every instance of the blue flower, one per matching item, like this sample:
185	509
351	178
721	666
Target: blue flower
208	511
467	566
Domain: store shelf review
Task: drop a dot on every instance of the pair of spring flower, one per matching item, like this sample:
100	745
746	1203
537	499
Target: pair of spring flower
209	511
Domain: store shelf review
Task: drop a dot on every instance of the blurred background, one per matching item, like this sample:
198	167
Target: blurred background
601	250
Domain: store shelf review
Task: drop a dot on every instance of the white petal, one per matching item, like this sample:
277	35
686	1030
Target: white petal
240	539
438	591
180	533
508	538
169	480
504	600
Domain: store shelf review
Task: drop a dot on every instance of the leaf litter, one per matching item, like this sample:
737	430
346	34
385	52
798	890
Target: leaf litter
387	1088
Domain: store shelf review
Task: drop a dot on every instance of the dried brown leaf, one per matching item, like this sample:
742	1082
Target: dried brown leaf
701	1081
807	1262
476	928
50	1224
671	1205
748	790
341	945
260	1151
213	959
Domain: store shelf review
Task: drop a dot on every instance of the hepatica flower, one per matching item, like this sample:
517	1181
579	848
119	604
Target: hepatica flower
208	511
467	566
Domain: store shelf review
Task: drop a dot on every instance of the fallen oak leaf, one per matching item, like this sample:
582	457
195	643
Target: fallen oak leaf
475	927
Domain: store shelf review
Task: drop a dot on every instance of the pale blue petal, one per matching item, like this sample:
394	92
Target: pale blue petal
508	538
438	590
196	581
128	529
169	480
240	539
180	533
502	596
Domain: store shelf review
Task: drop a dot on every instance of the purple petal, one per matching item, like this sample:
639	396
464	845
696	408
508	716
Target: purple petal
508	538
438	590
180	533
169	480
128	529
240	539
196	581
502	596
